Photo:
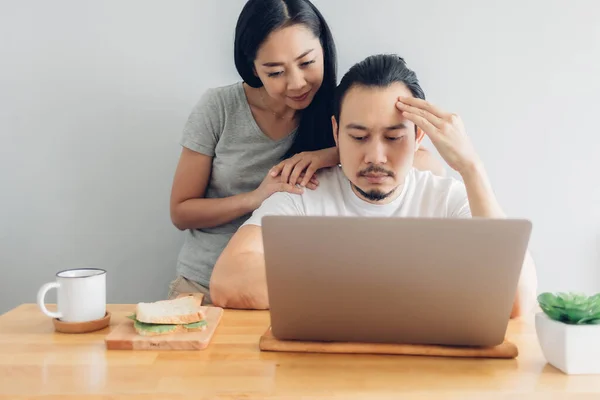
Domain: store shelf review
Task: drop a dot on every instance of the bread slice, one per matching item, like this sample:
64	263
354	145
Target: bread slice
184	310
157	329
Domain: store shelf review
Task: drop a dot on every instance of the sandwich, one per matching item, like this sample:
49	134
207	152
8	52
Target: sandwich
169	316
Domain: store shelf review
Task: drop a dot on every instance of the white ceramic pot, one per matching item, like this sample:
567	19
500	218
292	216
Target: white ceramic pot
574	349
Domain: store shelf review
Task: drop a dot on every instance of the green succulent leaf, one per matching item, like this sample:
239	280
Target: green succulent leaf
571	308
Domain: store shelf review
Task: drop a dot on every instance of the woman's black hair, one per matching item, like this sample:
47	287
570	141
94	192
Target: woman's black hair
256	21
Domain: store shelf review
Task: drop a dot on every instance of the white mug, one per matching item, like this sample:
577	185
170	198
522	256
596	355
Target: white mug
81	295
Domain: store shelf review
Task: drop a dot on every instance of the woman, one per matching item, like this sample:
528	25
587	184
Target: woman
237	136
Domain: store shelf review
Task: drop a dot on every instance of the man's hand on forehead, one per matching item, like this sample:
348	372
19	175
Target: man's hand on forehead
424	114
446	131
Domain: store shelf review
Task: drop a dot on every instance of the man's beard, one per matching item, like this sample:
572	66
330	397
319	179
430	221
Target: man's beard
374	195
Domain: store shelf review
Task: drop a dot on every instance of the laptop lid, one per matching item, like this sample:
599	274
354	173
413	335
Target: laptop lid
393	280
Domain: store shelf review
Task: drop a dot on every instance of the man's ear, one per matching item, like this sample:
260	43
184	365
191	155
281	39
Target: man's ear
419	136
334	125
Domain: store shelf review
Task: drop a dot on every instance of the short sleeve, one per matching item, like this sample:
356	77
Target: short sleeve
458	201
280	203
204	126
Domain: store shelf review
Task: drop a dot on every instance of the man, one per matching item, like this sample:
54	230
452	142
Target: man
381	117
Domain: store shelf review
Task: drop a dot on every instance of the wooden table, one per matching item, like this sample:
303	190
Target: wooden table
37	362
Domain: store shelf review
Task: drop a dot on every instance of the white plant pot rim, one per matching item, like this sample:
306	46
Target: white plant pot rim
542	314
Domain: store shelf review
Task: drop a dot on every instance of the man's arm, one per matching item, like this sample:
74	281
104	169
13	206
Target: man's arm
238	279
483	203
447	133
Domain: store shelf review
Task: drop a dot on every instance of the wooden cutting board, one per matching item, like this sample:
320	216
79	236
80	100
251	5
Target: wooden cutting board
268	342
124	336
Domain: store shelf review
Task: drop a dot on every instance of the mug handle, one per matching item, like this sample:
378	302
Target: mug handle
40	299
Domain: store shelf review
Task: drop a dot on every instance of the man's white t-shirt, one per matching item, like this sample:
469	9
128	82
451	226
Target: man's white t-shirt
423	195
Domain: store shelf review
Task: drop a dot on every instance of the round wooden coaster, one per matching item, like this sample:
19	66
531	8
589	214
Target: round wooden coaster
81	327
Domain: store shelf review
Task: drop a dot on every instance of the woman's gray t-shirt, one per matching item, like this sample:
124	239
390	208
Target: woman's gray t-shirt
222	126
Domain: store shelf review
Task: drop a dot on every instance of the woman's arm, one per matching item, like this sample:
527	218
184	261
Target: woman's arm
305	164
189	208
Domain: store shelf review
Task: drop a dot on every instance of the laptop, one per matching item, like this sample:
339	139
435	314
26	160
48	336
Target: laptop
393	280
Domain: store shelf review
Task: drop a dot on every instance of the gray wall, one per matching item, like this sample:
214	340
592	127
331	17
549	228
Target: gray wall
93	97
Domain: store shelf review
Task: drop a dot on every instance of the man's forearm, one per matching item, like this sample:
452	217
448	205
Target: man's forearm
526	297
483	203
239	281
482	200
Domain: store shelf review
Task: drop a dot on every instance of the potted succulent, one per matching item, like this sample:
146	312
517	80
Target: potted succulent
568	331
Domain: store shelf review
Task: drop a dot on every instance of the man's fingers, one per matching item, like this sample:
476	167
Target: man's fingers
422	123
436	121
424	105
